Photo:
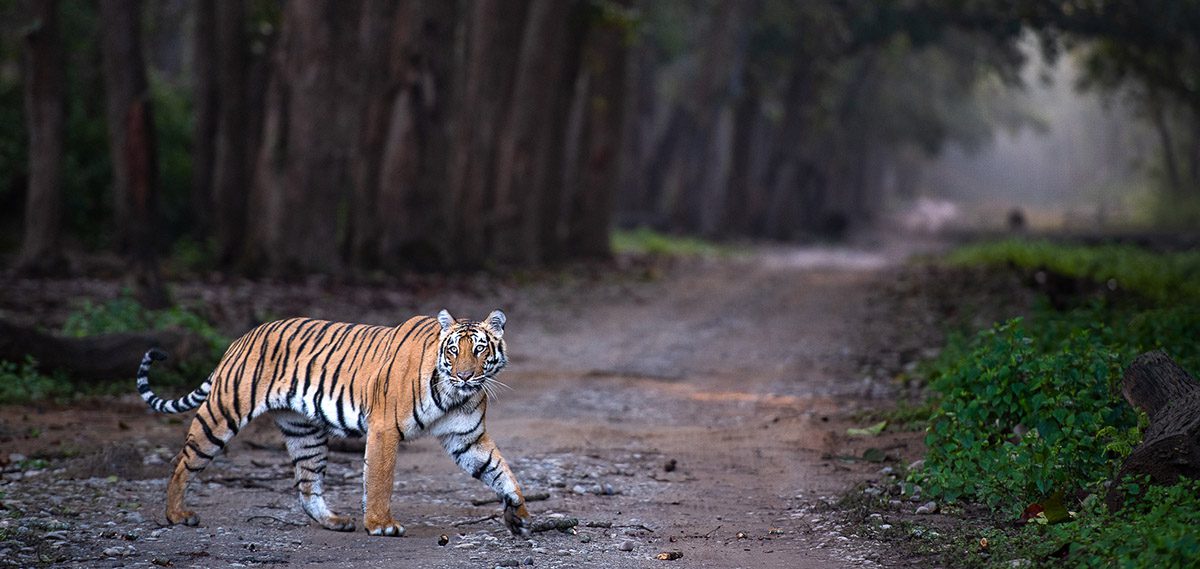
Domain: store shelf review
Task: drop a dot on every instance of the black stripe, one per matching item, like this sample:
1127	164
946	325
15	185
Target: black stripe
208	433
463	449
484	467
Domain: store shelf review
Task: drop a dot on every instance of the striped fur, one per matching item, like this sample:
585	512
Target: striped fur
319	379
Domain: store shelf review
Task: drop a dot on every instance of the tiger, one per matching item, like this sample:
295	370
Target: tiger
319	379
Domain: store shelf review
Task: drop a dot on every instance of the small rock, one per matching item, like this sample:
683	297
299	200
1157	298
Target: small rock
885	526
741	535
443	539
585	538
16	457
1019	563
872	491
626	545
670	465
886	471
916	465
466	545
528	561
509	563
669	555
579	489
928	508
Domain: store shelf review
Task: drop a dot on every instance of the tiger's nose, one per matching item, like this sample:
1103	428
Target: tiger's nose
465	374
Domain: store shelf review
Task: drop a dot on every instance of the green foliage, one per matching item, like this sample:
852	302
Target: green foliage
1029	408
21	382
126	314
1156	528
645	241
1163	278
1019	420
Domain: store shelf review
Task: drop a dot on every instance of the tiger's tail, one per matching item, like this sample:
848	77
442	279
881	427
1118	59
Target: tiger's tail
185	403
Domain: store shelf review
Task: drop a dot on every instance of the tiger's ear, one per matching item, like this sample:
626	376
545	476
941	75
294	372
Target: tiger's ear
495	321
445	319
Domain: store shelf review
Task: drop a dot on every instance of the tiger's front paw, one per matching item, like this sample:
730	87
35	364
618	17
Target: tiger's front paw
185	517
517	520
390	528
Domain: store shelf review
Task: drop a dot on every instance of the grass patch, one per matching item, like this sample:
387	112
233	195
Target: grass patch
1159	277
645	241
1030	408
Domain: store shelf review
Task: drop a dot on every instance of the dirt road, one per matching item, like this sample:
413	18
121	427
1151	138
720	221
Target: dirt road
741	374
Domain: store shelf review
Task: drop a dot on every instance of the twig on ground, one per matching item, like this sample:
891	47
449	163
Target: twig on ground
475	521
266	517
534	497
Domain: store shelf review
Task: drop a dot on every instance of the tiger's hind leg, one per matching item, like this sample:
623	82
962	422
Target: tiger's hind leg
205	439
308	445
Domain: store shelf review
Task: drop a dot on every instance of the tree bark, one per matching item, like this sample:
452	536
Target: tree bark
598	165
309	136
205	94
529	164
131	143
494	31
45	108
1170	446
229	193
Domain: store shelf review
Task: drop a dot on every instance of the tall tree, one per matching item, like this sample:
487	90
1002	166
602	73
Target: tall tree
493	35
595	166
131	143
309	131
230	160
205	98
45	108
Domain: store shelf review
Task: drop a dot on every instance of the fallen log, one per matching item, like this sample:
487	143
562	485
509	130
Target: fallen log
93	358
1170	446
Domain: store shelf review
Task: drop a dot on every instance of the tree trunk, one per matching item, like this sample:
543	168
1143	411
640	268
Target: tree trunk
204	77
1170	446
529	164
45	108
494	31
1167	142
131	143
309	136
598	162
230	168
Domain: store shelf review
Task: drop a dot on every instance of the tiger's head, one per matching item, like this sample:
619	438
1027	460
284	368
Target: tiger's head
470	354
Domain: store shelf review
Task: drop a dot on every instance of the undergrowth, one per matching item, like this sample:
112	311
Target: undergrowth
1031	409
21	382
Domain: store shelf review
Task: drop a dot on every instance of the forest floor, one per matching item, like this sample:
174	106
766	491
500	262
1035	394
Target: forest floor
698	407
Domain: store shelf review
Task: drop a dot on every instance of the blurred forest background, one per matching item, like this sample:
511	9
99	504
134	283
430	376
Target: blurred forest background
285	137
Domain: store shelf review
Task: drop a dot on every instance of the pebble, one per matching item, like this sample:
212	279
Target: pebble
16	457
579	489
886	471
626	545
885	526
916	465
509	563
466	545
585	538
528	561
928	508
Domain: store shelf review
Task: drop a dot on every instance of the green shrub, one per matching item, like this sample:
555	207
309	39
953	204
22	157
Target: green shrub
125	314
1156	528
1017	421
21	382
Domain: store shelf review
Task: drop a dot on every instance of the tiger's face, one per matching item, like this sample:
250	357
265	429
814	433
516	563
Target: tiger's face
470	354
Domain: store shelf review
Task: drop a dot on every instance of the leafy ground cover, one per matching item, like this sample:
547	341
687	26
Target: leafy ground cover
1028	411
